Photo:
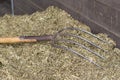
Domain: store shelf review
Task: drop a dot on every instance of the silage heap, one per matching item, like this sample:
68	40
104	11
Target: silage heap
41	61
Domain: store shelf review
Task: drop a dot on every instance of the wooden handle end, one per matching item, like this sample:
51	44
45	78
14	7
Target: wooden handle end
16	40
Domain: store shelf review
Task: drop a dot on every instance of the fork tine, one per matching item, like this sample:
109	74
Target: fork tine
75	52
71	41
79	37
60	37
79	29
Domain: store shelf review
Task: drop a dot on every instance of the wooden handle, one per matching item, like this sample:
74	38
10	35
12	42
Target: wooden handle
16	40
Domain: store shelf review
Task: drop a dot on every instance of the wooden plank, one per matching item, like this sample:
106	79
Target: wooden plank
111	3
4	7
27	6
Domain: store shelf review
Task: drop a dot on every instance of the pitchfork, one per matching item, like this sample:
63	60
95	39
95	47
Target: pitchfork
60	37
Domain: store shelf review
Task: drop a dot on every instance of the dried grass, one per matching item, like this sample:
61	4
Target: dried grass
41	61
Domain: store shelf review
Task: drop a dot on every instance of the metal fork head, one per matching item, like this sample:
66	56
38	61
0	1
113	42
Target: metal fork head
62	41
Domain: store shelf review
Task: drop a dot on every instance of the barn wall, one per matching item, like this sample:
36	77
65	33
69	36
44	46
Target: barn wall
4	7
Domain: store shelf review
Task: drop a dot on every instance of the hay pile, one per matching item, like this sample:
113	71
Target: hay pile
41	61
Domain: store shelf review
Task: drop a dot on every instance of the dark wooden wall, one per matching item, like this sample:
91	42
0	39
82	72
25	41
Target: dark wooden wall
4	7
100	15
